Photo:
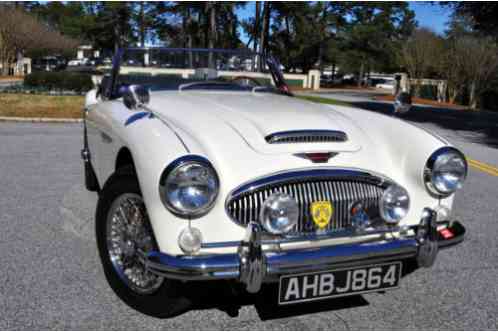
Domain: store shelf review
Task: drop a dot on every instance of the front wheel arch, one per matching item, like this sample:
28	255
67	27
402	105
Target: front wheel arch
124	159
168	300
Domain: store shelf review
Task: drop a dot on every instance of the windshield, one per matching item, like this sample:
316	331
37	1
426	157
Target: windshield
161	69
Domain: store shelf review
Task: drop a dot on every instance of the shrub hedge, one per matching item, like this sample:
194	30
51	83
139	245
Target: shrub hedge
424	91
59	80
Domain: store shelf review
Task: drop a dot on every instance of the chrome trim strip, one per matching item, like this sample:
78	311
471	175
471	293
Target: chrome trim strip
306	136
310	237
226	244
308	174
193	268
227	266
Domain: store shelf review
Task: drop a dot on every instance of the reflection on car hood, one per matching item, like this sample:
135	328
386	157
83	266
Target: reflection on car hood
252	117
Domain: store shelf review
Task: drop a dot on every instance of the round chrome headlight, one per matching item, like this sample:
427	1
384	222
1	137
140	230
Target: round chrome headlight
279	213
394	204
189	186
445	171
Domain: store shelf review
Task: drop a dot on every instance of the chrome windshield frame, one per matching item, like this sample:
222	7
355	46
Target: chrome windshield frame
110	90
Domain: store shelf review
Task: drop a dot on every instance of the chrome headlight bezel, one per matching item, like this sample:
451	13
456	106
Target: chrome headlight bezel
432	164
176	165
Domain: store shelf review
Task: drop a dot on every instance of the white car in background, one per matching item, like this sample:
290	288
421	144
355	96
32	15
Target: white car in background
387	85
208	175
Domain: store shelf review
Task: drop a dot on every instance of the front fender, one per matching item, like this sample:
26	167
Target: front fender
153	146
405	149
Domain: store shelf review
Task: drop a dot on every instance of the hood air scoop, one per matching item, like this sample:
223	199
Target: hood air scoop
307	136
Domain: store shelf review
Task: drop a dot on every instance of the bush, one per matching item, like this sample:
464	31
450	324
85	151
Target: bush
62	81
424	91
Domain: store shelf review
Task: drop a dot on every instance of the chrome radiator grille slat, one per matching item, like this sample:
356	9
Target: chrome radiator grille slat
342	193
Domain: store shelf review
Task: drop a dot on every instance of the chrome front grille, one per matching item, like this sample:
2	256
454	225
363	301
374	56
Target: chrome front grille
341	188
307	136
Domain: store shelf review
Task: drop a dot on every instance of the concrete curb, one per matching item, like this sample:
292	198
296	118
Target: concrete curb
43	120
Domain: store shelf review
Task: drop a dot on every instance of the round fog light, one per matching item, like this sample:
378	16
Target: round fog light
443	213
190	240
279	213
394	204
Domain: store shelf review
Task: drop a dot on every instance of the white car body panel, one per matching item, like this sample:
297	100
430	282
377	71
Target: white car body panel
229	129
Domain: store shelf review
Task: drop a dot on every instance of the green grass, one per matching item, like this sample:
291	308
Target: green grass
323	100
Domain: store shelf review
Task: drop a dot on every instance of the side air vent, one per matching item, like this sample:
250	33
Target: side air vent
307	136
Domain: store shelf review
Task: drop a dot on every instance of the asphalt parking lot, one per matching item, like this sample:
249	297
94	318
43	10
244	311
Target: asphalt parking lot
50	276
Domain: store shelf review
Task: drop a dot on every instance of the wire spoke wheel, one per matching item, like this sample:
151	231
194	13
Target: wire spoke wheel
128	233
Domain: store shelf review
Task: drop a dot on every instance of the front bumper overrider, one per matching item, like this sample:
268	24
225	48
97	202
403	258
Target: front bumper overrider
252	266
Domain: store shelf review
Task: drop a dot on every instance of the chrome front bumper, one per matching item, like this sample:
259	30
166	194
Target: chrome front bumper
252	266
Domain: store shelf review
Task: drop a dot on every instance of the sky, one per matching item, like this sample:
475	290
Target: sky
430	15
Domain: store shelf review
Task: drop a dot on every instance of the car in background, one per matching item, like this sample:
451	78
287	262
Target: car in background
387	84
48	63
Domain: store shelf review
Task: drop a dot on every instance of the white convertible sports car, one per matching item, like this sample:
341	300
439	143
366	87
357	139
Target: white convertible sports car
207	168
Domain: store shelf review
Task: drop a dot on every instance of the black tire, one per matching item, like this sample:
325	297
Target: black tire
167	300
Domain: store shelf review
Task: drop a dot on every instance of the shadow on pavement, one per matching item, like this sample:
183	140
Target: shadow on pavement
227	297
482	127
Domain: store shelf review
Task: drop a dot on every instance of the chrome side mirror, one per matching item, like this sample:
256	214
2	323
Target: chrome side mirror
135	96
402	103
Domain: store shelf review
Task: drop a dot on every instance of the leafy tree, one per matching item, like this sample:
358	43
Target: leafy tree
23	34
470	62
374	33
419	55
303	34
145	17
113	25
481	15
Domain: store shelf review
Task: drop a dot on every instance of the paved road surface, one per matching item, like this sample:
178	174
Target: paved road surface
51	278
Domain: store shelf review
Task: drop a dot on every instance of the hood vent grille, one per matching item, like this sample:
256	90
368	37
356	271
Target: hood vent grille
307	136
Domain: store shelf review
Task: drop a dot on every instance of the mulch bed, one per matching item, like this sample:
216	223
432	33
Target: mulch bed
422	101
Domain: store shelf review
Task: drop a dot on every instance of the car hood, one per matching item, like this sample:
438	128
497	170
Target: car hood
251	117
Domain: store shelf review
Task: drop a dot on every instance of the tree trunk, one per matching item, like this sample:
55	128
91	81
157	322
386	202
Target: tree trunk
212	32
5	68
206	23
453	94
117	38
321	46
360	76
189	37
266	23
256	26
142	24
234	29
473	97
320	57
212	26
264	31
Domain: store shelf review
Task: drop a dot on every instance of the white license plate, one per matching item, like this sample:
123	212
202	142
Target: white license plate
339	282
